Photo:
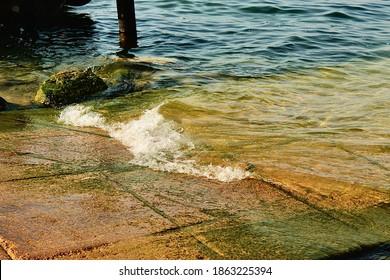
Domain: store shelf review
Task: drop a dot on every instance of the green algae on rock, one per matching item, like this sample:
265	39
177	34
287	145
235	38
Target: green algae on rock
69	86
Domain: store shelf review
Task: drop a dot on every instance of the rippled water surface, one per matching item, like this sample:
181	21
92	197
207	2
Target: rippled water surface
289	90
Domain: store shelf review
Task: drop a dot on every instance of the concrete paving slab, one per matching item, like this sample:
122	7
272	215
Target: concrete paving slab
45	217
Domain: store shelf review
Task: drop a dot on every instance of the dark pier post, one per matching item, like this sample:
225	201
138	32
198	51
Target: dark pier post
127	23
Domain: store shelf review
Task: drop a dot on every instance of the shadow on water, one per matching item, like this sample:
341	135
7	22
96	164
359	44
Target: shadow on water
65	32
29	54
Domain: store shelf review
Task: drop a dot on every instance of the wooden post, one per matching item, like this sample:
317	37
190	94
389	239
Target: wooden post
127	23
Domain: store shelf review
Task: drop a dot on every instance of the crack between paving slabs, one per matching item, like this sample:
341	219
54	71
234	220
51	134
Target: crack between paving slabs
371	161
83	170
289	193
364	249
158	211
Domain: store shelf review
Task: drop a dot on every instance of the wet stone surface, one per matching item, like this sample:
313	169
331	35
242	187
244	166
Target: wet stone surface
71	193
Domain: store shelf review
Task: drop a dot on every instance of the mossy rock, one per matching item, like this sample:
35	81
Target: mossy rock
3	104
69	86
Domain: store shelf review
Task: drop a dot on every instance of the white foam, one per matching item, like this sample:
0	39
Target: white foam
154	141
224	174
78	115
152	137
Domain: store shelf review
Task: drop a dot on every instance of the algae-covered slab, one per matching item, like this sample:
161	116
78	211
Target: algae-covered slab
69	86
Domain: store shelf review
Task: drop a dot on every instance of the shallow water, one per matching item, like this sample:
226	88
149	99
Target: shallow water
283	90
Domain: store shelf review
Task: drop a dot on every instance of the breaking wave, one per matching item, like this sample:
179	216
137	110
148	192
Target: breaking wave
155	142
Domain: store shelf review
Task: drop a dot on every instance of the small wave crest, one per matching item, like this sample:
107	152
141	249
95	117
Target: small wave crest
78	115
155	142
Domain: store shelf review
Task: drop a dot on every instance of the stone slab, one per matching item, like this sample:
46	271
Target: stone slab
72	194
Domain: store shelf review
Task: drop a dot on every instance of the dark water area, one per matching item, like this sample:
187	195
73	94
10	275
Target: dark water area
61	40
253	38
244	39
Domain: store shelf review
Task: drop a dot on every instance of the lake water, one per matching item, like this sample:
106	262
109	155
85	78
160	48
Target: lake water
296	92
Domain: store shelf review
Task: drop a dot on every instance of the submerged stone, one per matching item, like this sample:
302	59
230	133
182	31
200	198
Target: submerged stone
69	86
125	76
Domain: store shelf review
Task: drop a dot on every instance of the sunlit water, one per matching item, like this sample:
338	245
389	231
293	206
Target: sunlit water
292	91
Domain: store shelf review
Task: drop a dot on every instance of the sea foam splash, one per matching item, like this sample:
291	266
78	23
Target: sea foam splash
154	141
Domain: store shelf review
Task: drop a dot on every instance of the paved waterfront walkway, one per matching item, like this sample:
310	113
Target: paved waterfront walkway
70	193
